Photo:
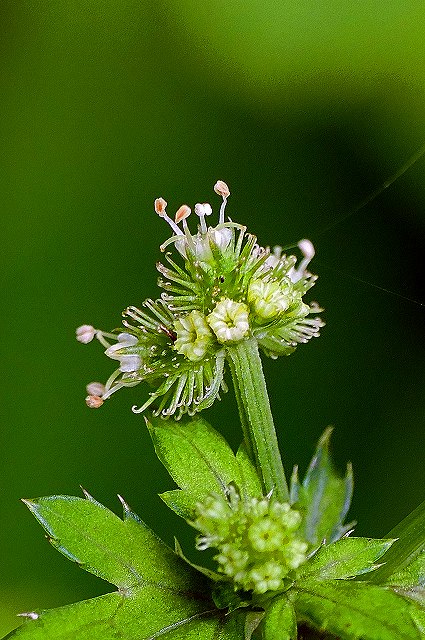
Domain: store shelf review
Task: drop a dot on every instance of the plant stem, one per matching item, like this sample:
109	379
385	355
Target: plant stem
256	416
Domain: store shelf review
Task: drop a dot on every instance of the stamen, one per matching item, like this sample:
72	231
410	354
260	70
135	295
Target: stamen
182	213
160	208
203	210
28	614
307	249
222	190
100	336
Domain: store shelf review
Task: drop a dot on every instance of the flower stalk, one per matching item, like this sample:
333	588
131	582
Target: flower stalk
256	416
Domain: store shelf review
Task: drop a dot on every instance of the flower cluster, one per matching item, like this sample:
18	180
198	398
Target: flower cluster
225	289
256	539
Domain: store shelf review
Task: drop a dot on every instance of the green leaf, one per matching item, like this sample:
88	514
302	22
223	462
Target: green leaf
410	582
149	613
198	459
419	617
279	621
123	552
324	497
159	594
181	502
344	558
354	610
410	544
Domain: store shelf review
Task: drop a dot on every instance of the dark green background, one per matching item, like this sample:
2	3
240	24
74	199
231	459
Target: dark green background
304	108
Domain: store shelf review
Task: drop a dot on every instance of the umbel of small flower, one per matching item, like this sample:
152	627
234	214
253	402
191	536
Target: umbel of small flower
221	287
256	539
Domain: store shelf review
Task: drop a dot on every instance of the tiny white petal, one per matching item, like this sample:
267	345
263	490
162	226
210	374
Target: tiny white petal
95	389
127	339
130	363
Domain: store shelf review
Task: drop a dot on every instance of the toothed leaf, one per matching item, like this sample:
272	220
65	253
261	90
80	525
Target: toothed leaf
198	459
250	483
356	610
159	594
179	501
123	552
149	613
324	497
344	558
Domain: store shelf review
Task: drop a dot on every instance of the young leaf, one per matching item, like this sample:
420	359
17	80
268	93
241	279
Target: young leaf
198	459
411	542
355	610
344	558
279	621
324	496
158	593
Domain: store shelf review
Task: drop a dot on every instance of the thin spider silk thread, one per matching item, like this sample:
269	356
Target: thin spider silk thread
410	162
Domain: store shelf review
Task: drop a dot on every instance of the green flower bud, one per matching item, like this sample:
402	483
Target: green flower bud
193	336
267	300
229	321
256	540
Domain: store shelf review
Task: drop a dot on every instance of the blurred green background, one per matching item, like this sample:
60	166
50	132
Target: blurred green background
304	108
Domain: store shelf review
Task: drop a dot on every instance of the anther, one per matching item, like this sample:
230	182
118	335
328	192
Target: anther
95	389
182	213
94	402
222	189
160	207
85	333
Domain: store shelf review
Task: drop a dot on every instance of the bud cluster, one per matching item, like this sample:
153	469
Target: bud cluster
256	540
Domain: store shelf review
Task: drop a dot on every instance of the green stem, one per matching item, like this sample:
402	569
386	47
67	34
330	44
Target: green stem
256	416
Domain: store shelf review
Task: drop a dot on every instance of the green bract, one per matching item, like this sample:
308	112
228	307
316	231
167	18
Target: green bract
221	289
